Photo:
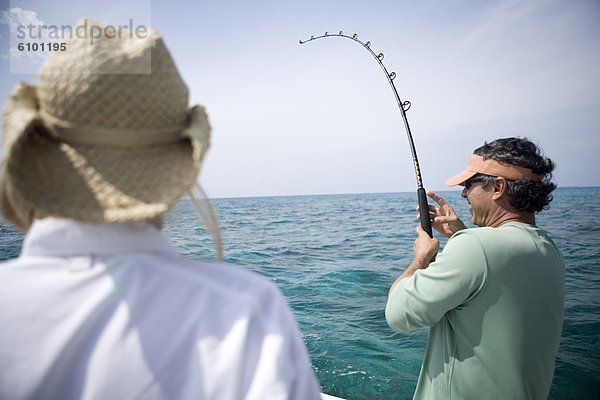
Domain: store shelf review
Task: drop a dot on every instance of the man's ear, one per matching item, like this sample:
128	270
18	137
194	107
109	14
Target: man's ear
500	188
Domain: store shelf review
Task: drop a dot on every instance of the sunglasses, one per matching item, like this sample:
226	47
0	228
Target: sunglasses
472	181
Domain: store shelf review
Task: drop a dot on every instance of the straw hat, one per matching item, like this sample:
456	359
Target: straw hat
106	135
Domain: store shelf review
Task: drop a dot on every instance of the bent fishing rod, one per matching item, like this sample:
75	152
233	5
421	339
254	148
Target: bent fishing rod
403	106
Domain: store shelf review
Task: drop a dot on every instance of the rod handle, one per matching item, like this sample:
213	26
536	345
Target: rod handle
424	211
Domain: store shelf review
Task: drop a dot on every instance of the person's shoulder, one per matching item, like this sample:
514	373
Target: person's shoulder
237	277
8	266
230	292
22	264
506	238
220	279
469	236
471	243
510	228
478	234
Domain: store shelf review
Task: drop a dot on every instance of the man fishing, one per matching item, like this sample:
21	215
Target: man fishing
494	297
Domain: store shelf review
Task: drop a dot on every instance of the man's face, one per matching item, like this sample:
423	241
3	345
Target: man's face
479	196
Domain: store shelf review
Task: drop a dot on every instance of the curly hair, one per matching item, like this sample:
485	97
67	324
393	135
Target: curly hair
530	196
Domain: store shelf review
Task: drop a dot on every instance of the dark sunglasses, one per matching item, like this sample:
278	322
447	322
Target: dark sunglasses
470	182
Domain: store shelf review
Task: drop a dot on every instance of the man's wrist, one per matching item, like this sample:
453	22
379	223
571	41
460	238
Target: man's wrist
420	261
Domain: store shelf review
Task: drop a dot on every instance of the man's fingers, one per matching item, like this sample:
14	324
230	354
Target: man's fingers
420	231
432	215
437	198
444	220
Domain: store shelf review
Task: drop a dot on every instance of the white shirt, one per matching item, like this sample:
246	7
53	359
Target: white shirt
114	312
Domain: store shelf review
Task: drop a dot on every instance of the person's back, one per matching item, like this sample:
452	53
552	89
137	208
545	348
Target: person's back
99	305
114	312
503	339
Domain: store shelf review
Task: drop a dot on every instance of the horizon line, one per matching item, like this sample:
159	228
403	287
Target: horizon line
356	193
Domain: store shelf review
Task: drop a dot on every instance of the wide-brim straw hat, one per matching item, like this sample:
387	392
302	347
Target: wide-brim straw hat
106	135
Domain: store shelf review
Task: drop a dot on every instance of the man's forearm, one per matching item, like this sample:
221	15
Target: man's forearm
416	264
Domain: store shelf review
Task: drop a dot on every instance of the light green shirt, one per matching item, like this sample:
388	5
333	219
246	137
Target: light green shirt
494	299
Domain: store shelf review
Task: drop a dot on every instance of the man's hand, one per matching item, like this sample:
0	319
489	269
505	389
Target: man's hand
425	248
443	218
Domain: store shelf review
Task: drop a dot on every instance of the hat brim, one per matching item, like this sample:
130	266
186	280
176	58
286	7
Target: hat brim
93	183
460	178
98	185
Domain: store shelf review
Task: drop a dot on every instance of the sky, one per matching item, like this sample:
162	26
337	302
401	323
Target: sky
321	118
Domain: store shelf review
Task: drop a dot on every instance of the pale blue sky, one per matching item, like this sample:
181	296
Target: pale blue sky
321	117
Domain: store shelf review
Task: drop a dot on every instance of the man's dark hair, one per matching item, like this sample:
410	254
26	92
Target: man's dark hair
530	196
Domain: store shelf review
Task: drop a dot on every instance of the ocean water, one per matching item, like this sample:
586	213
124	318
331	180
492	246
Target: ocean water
335	256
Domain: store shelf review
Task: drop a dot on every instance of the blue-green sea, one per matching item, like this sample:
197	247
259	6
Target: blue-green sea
334	257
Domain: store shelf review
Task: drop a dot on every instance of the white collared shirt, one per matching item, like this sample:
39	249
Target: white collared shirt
114	312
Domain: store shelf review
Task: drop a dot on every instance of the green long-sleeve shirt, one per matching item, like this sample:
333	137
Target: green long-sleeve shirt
494	299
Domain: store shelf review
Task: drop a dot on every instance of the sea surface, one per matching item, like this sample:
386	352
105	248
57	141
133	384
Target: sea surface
335	256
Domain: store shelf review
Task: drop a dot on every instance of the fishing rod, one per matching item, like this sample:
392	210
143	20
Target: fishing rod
403	106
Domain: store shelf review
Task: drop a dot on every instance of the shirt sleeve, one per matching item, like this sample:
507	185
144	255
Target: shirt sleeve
455	277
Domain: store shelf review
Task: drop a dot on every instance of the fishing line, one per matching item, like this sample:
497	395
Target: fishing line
403	106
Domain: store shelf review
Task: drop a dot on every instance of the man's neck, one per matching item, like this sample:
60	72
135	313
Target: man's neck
504	216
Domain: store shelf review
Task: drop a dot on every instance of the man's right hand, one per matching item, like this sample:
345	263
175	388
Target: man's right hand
444	218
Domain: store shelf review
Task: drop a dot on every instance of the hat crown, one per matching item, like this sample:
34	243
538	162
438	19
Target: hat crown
114	82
